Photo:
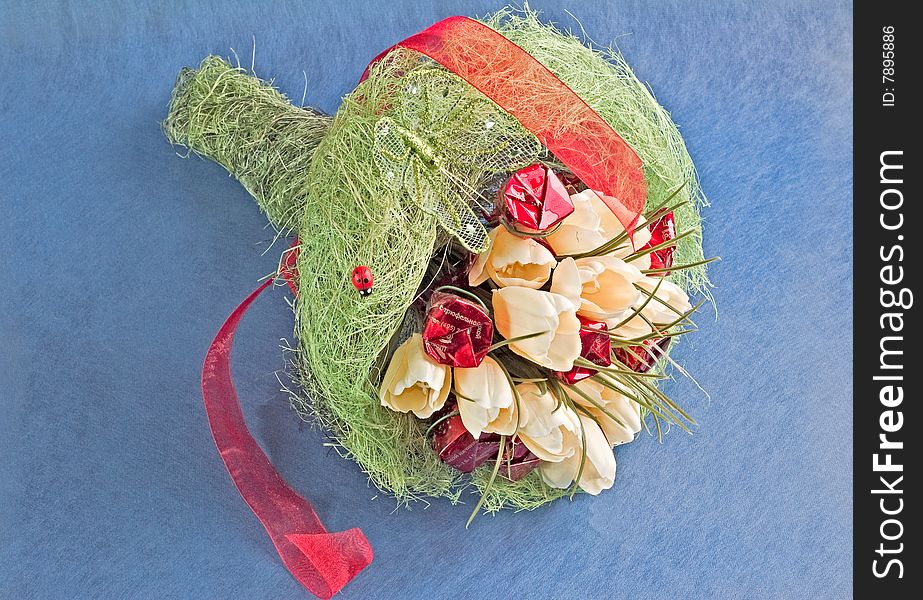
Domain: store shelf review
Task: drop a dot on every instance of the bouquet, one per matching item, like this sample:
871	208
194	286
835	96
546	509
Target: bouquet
497	239
537	353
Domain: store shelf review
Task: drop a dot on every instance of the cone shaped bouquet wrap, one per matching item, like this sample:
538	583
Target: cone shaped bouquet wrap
498	239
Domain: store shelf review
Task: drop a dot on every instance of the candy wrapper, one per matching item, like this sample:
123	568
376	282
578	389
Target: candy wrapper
461	450
662	230
535	199
595	346
458	331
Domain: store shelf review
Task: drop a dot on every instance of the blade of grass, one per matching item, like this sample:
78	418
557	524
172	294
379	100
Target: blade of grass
637	311
666	244
438	421
582	362
513	340
660	207
490	482
593	401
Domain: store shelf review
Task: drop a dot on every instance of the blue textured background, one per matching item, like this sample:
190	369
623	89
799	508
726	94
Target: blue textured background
119	260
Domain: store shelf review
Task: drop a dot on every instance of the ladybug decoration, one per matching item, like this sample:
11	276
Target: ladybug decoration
363	280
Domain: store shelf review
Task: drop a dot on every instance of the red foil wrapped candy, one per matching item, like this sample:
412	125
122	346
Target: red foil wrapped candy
458	449
535	198
662	230
595	346
458	332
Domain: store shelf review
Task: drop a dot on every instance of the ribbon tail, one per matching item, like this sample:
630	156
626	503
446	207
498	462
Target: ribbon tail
322	562
341	556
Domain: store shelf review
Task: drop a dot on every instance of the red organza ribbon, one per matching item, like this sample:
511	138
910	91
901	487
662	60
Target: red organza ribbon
322	562
543	104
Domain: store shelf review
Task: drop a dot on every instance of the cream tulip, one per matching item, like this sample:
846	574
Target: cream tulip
598	472
482	391
512	260
602	287
414	382
591	225
520	311
604	403
545	425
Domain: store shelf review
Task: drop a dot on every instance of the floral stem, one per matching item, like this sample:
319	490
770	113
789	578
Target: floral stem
671	242
438	421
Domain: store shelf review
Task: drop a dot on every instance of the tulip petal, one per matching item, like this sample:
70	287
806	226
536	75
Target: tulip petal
566	281
477	274
512	260
483	391
546	425
475	417
522	311
599	468
607	286
609	404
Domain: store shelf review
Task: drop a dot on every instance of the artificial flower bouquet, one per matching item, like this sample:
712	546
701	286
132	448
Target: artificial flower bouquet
497	237
537	352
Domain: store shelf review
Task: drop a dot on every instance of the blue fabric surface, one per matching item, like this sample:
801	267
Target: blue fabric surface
119	261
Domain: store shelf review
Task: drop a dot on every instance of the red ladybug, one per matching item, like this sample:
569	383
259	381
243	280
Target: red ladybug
363	280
